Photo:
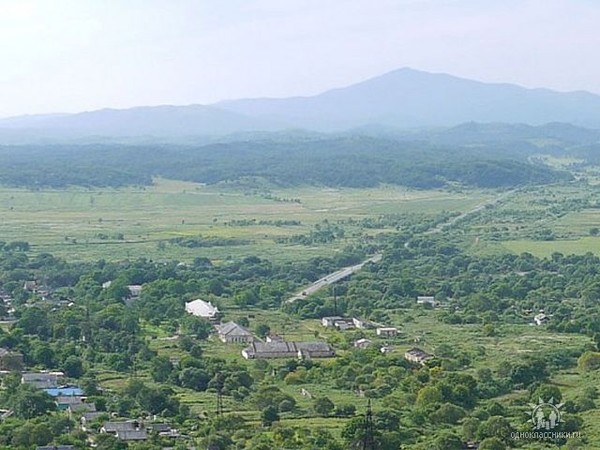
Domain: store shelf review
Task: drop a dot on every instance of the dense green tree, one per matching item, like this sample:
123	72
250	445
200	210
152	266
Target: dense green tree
196	351
262	330
30	434
323	406
196	326
194	378
271	396
589	361
158	401
528	372
496	426
28	402
73	367
447	413
34	321
447	441
429	396
546	393
469	428
161	368
345	410
105	441
492	443
269	415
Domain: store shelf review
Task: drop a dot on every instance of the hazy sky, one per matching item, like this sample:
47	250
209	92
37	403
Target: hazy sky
74	55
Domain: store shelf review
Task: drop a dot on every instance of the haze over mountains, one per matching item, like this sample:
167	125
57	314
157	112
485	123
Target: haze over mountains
406	127
401	99
411	98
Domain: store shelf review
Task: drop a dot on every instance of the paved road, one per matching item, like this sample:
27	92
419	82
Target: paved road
488	204
331	278
480	207
347	271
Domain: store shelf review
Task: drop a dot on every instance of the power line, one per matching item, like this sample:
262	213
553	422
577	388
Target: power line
219	385
368	442
335	307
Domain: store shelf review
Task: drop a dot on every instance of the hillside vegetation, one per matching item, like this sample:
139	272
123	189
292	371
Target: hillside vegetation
329	161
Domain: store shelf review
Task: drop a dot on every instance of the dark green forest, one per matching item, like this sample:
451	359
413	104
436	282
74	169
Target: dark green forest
343	161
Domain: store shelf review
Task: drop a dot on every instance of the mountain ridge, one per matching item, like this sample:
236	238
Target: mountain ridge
411	98
404	98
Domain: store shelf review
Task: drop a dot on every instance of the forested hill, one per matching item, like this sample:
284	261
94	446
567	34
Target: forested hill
332	161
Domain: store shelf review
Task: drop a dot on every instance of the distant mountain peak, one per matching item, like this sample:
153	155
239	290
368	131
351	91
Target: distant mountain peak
403	98
407	97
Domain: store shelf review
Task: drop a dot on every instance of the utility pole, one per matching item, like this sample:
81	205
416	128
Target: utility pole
87	333
368	442
334	301
219	386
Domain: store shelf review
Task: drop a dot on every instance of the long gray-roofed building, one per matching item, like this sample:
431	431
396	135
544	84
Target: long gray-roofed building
41	380
303	350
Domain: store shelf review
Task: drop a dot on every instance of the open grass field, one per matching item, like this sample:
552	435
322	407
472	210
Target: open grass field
539	220
87	224
580	222
542	249
573	231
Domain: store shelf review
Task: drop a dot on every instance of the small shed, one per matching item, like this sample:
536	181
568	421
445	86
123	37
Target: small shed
418	356
363	343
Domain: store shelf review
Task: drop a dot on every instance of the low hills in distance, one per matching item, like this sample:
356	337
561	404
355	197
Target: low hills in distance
151	121
406	127
335	161
402	99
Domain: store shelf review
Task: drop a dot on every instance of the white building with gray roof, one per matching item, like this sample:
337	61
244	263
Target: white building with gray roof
200	308
232	333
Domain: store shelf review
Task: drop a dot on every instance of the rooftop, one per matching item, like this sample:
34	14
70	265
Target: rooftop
201	308
116	427
135	435
232	328
417	352
56	447
65	391
289	347
69	399
93	415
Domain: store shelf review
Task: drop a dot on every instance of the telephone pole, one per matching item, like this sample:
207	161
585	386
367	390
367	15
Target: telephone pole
219	386
368	442
334	301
